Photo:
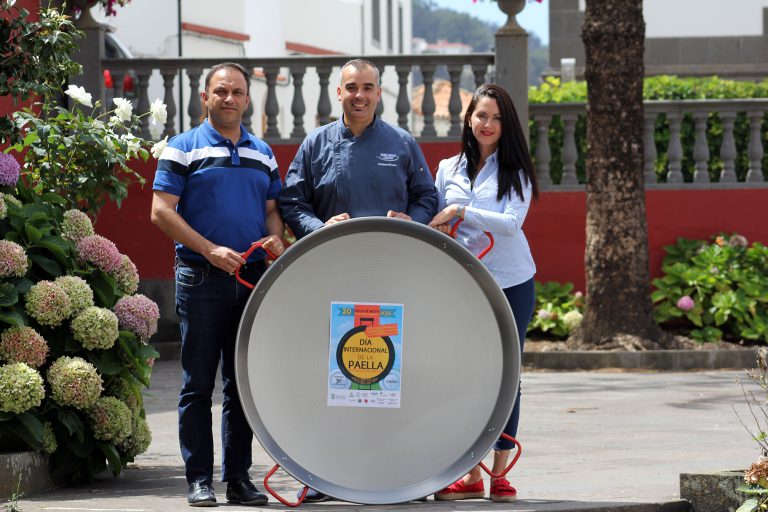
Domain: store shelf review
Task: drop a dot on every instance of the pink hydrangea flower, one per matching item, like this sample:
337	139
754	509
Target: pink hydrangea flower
138	314
9	170
74	382
23	345
48	303
13	259
544	314
99	252
127	276
685	303
21	388
110	419
76	225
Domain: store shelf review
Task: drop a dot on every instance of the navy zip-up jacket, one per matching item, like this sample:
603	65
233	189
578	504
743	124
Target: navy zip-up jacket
335	172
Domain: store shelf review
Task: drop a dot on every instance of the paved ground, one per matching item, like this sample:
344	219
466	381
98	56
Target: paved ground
609	440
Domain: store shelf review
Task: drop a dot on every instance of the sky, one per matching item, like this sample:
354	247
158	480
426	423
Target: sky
534	18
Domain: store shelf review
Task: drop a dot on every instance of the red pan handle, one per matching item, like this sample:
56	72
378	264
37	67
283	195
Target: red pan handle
256	245
514	459
280	498
485	251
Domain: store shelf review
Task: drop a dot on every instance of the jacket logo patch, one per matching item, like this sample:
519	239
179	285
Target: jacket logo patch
388	157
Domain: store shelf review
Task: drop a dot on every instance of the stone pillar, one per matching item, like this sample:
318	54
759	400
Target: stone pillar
90	54
512	59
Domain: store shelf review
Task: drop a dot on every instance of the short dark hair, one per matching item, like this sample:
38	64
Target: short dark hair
360	65
232	65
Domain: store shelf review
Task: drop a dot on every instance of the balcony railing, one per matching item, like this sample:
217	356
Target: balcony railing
702	143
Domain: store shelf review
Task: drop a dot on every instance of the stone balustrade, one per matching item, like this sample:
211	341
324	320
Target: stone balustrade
272	69
699	143
734	128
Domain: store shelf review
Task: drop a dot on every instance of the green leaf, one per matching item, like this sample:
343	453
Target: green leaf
12	318
24	429
23	285
8	295
33	425
108	362
57	246
104	288
50	197
147	352
748	506
113	458
33	234
72	422
47	264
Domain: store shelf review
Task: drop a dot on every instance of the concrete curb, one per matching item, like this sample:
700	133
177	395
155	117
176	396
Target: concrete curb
662	360
665	360
27	472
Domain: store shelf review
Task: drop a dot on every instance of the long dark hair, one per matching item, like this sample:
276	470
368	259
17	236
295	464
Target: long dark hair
513	152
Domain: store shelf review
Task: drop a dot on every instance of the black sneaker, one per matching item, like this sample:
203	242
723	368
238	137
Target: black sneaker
200	494
245	493
314	496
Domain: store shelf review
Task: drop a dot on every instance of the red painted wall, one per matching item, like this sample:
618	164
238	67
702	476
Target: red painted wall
555	225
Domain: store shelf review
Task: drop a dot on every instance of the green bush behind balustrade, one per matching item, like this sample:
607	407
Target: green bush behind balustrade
659	88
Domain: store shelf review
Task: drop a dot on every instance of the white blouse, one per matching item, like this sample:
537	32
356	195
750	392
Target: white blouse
510	261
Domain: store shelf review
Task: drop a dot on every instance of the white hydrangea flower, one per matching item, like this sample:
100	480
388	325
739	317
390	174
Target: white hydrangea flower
79	95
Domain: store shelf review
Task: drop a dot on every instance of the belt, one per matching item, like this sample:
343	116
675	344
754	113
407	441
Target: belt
207	268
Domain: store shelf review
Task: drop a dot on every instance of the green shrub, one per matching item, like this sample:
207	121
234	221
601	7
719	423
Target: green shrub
659	88
716	289
558	311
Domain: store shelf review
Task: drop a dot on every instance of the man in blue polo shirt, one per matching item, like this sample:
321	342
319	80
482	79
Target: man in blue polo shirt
357	166
215	194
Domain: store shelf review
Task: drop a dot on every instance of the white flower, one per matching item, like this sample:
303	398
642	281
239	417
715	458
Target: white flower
99	125
158	147
124	109
114	121
158	112
133	144
79	95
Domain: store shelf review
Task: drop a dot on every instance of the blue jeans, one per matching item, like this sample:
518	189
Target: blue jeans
522	299
210	303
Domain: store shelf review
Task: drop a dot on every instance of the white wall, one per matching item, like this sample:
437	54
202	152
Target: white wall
149	28
700	18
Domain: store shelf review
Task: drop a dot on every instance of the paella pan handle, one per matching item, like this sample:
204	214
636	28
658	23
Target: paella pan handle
514	459
485	251
257	245
280	498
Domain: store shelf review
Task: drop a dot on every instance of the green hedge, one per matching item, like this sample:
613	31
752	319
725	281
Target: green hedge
659	88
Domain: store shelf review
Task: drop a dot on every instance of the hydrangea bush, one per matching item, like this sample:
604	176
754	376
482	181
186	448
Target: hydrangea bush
558	311
715	289
73	337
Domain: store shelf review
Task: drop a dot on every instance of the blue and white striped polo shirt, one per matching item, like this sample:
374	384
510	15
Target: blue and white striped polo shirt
222	188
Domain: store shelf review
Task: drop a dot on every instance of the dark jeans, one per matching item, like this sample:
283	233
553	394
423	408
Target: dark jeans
522	299
210	303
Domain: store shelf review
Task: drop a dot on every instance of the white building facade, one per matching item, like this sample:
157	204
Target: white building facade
268	28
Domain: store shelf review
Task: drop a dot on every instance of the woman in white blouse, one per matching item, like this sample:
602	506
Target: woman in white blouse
489	185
